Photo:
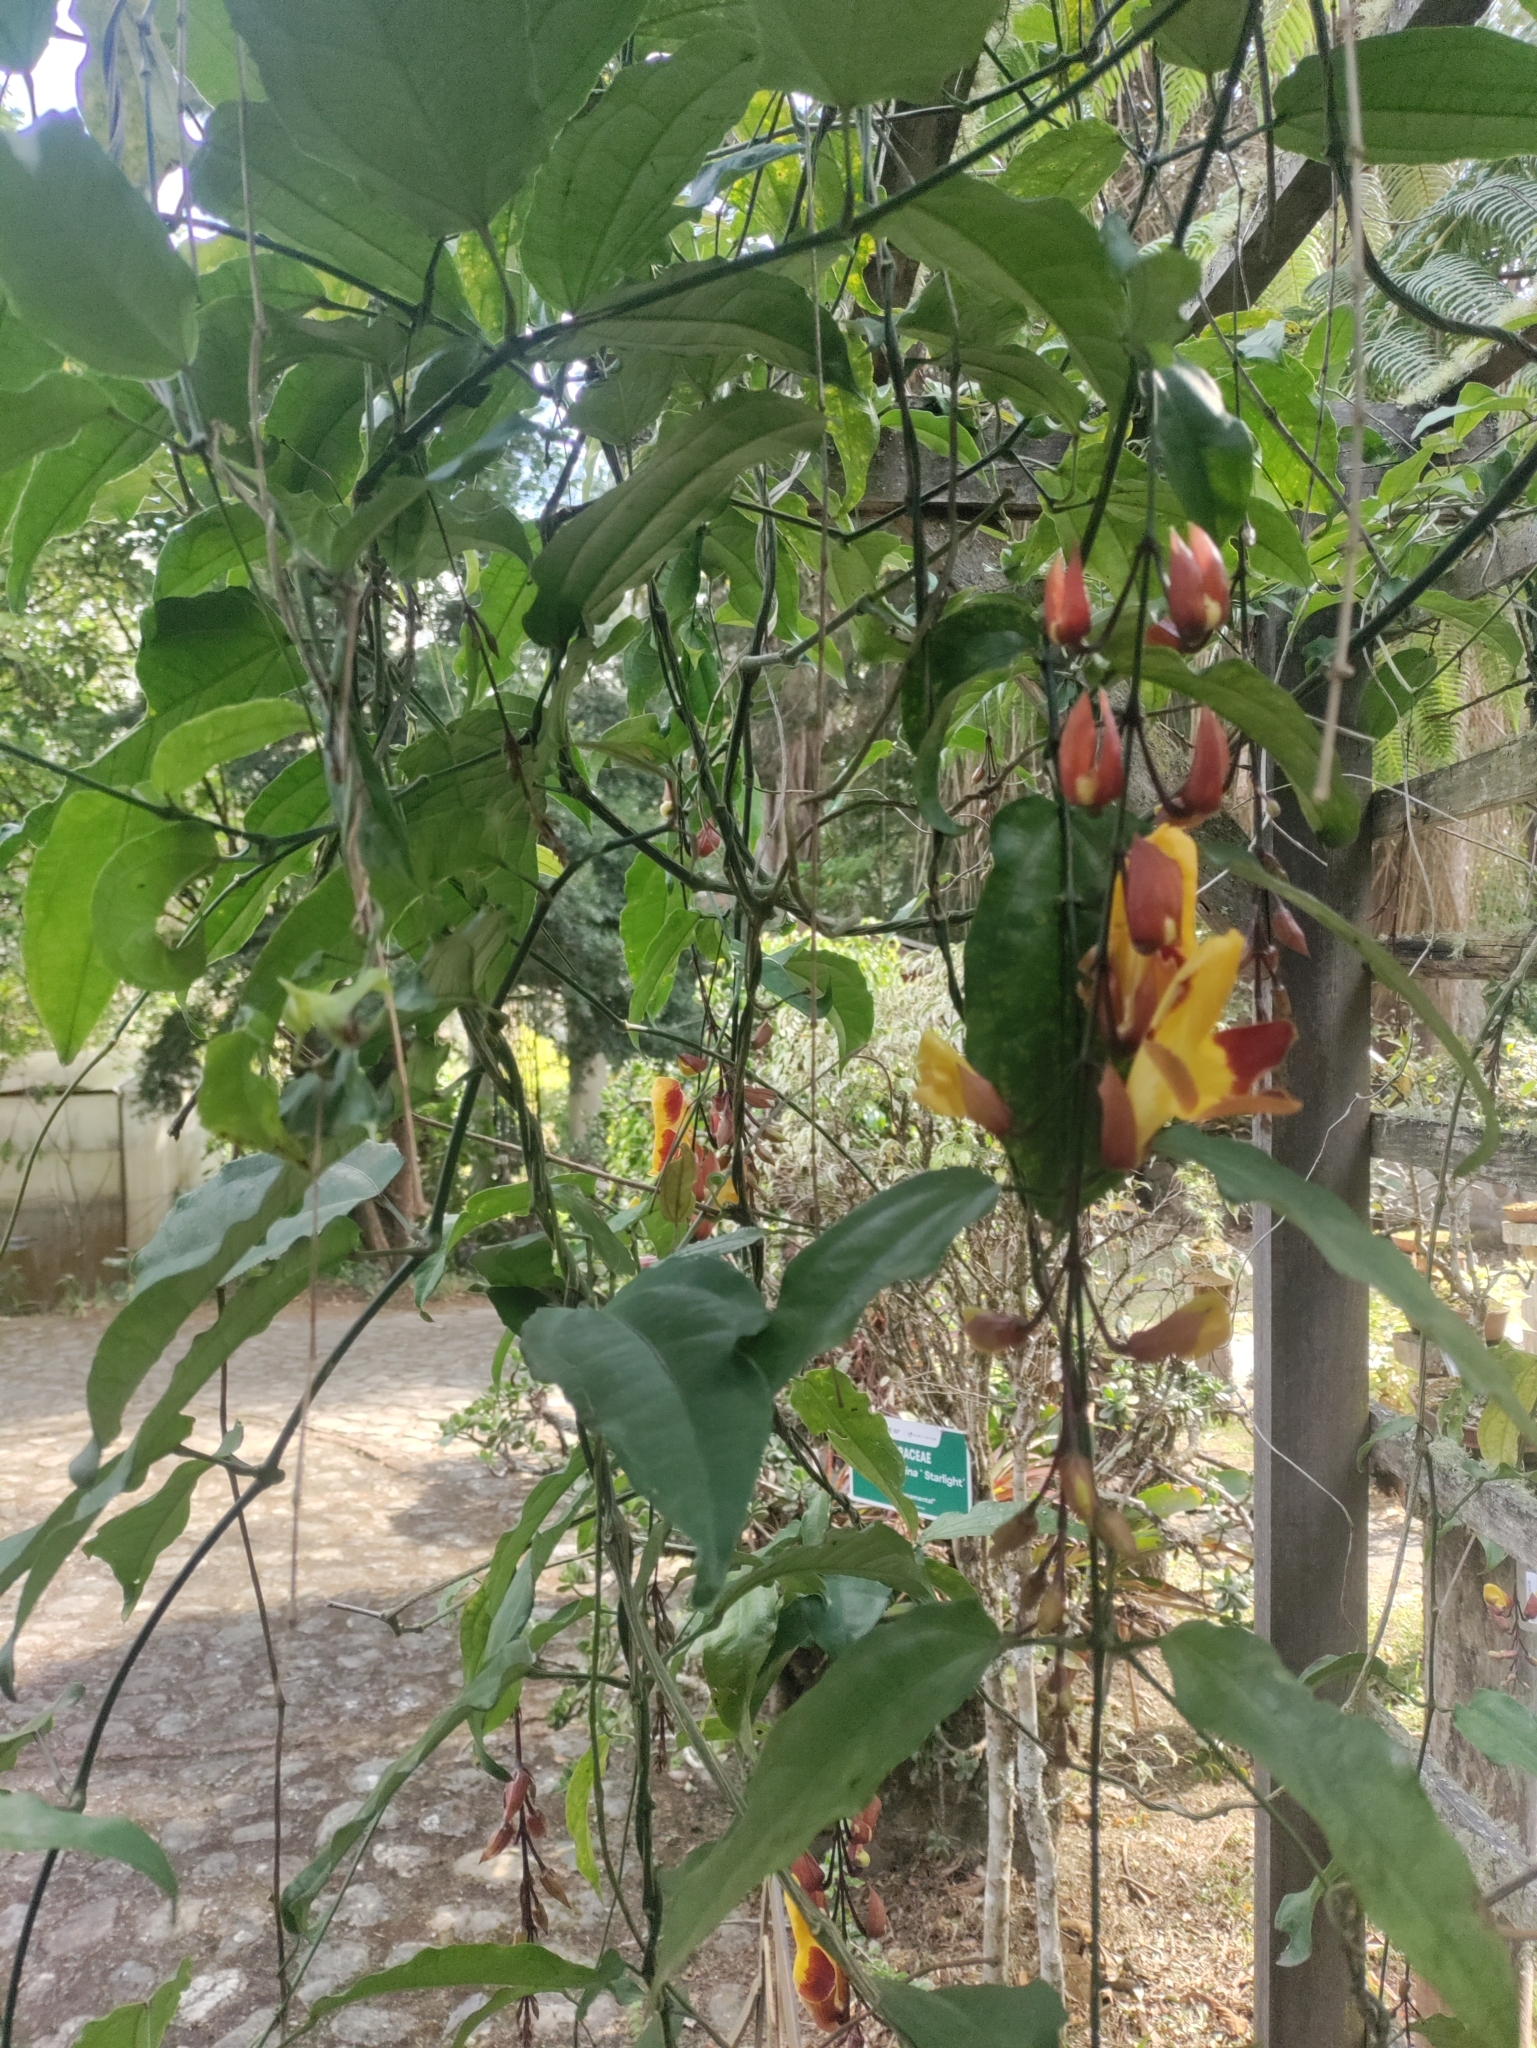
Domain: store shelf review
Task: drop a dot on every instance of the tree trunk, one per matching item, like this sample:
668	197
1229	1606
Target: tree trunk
1035	1812
998	1880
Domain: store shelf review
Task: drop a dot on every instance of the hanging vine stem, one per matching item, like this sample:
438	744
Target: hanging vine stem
1341	667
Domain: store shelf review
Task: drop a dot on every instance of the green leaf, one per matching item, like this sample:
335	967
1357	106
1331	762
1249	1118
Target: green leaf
1025	378
224	734
1204	35
204	1234
621	537
1501	1728
315	938
1269	715
308	204
1207	455
1428	96
489	1598
830	1405
208	548
14	1740
1392	974
1071	163
522	1967
973	2015
69	980
662	1372
449	140
900	1234
1024	1019
603	201
131	894
761	314
585	1773
357	1176
1499	1441
827	1755
994	630
83	258
25	29
1407	1870
316	423
131	1542
1037	253
645	909
1245	1174
65	483
479	1696
238	1103
653	982
866	50
842	993
28	1824
142	2024
873	1552
1294	1919
196	653
46	414
1277	549
732	1656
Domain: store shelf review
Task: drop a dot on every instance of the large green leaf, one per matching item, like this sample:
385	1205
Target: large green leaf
1027	380
622	536
445	107
865	50
204	1234
1071	162
143	2023
83	258
763	314
219	648
131	1542
1024	1019
28	1824
1502	1727
69	979
47	414
1207	455
186	754
603	201
209	547
900	1234
1391	974
873	1552
826	1757
522	1967
316	426
973	2015
131	895
25	27
996	630
663	1373
66	482
1239	693
308	204
1203	35
1407	1870
1245	1174
314	939
1041	254
1428	96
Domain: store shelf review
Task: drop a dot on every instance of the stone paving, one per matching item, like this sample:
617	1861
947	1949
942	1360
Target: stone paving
387	1509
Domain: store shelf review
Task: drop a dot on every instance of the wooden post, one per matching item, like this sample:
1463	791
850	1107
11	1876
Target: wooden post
1310	1389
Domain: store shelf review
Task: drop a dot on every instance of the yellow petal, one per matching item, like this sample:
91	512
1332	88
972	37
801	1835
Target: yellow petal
939	1076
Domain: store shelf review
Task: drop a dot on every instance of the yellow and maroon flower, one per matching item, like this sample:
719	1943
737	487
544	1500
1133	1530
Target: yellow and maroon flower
1202	1326
820	1981
668	1107
949	1086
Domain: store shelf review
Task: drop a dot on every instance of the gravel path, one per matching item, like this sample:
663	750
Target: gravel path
387	1509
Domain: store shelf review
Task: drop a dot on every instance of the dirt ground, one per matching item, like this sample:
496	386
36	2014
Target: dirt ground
388	1509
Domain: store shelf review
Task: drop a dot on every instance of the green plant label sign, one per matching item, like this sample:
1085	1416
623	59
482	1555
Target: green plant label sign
938	1468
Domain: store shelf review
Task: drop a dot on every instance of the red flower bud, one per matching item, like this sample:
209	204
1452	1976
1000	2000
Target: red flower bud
1155	897
1200	794
873	1919
763	1034
1287	931
1118	1146
807	1873
692	1062
707	840
1089	761
721	1127
1196	587
1068	618
705	1163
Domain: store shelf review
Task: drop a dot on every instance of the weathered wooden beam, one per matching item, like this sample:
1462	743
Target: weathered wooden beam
1421	1141
1484	782
1469	956
1305	190
1495	1510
